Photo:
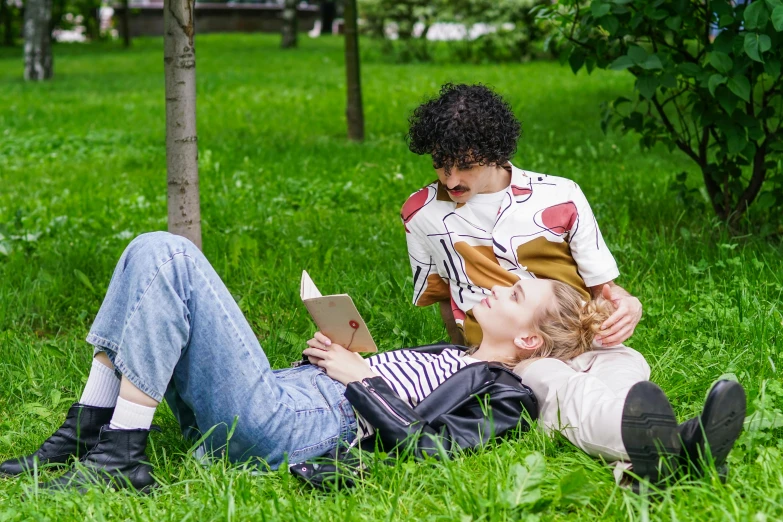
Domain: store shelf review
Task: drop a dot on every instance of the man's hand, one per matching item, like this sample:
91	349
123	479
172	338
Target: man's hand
340	364
622	323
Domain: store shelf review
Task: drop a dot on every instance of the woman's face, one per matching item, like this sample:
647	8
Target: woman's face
509	312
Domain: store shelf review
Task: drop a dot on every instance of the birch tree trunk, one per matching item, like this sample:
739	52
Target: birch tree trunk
354	112
37	40
179	59
290	25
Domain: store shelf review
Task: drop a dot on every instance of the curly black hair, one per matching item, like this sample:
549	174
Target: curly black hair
465	124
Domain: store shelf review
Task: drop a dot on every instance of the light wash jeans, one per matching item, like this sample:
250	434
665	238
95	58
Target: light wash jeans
172	328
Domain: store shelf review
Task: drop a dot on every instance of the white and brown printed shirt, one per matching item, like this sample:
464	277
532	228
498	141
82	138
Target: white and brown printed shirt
544	228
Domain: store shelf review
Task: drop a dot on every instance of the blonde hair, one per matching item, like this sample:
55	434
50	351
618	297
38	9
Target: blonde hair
567	325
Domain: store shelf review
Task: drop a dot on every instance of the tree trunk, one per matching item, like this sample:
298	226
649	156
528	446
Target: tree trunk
126	37
353	112
58	10
758	175
289	29
328	11
179	59
95	26
37	40
5	16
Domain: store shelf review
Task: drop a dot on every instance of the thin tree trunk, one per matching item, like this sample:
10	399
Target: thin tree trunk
354	112
37	40
58	10
179	59
5	16
126	37
759	174
328	10
290	25
95	32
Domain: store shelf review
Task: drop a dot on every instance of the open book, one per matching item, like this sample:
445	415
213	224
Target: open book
336	317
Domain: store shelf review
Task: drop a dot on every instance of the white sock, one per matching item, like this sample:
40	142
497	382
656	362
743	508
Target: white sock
131	416
102	387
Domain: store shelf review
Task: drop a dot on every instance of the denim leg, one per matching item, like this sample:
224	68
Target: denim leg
172	328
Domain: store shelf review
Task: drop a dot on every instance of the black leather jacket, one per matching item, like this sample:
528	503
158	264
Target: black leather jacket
477	403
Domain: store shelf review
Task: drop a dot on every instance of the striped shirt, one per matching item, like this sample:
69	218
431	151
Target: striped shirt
413	375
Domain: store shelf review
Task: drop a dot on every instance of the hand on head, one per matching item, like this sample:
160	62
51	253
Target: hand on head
622	323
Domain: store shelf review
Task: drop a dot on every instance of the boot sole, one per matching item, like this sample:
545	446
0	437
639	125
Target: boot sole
722	418
50	465
649	431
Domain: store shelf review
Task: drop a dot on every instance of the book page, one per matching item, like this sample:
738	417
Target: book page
336	317
307	289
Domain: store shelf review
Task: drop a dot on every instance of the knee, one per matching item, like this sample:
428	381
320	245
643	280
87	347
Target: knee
157	246
160	240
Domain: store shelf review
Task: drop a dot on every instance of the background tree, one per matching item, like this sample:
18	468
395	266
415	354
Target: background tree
328	14
6	16
516	30
125	21
59	9
37	40
708	82
91	10
290	25
179	58
492	30
401	17
354	111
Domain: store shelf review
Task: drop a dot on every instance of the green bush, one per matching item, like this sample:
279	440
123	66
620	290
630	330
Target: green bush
708	82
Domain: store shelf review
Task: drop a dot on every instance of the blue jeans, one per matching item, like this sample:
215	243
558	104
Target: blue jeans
172	328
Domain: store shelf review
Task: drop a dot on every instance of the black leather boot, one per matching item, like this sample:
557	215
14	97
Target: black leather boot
117	460
716	429
649	431
77	435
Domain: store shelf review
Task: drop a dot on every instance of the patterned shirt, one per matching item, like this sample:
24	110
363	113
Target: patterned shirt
544	229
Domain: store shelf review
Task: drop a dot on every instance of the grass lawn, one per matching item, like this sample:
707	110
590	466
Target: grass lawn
82	171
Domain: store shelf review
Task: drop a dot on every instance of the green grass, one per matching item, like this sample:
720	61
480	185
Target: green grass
82	170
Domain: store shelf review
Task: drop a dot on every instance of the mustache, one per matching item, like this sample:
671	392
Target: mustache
458	188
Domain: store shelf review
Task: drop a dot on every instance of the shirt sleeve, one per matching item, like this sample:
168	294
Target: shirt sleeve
595	263
428	286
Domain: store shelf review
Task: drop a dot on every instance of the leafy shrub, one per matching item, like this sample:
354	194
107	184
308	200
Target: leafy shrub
708	82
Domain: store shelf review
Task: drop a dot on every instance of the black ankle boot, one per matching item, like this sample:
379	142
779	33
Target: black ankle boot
77	435
649	431
717	428
117	460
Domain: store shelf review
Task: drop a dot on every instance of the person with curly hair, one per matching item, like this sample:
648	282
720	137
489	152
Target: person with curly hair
485	222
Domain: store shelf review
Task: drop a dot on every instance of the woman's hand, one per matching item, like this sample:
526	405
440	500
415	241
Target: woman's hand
340	364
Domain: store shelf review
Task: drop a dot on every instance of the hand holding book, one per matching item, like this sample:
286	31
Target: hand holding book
340	364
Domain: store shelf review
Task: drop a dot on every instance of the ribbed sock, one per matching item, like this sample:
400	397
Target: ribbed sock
131	416
102	388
